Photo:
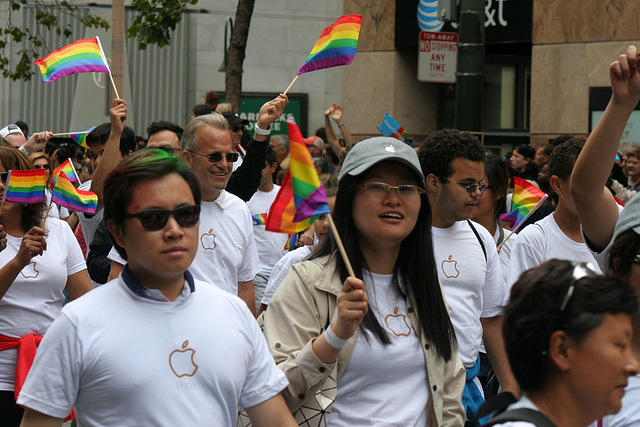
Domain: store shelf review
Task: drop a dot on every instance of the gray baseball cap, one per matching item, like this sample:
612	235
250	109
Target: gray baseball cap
629	218
10	129
368	153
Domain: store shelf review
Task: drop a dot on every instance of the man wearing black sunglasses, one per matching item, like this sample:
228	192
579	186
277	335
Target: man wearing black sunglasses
468	265
155	325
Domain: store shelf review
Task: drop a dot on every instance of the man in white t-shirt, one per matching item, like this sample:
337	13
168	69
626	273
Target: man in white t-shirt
557	235
227	255
270	245
468	264
155	346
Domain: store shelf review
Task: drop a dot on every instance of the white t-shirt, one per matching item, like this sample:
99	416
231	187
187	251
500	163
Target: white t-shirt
396	391
120	359
542	241
89	225
226	246
281	269
56	211
524	402
36	296
473	287
270	245
505	250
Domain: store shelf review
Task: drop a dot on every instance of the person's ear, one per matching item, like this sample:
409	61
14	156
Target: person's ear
186	157
555	184
559	350
433	183
117	232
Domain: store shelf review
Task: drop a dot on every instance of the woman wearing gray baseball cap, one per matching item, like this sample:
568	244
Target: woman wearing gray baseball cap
386	335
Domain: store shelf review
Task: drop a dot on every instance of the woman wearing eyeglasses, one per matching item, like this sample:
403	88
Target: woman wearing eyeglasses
387	332
38	264
42	160
568	335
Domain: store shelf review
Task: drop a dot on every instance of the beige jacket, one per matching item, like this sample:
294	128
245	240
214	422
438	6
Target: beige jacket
299	312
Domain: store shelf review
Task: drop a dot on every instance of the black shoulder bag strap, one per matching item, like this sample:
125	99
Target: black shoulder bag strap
484	251
521	414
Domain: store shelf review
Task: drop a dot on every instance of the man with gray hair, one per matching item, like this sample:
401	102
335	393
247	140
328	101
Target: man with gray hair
226	247
280	144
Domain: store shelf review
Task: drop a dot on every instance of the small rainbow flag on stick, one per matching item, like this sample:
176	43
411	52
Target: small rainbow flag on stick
69	171
301	198
336	46
80	137
65	194
259	219
526	199
82	56
25	186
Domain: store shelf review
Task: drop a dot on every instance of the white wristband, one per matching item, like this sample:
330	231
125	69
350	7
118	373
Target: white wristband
333	340
262	132
23	150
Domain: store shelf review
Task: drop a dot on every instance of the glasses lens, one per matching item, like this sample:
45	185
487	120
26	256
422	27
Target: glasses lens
40	166
215	157
187	216
232	157
154	219
236	128
3	177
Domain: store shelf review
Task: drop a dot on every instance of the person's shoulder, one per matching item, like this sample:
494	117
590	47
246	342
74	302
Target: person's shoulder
55	225
482	232
85	186
318	272
95	300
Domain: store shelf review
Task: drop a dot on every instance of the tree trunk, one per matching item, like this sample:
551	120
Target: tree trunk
236	53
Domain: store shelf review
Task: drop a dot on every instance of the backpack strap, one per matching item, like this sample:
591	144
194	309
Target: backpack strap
521	414
484	251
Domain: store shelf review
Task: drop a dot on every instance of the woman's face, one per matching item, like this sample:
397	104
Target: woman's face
485	205
385	220
42	163
601	365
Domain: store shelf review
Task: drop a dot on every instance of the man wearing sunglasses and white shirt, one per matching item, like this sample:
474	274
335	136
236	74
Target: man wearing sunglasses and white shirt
466	255
227	255
155	346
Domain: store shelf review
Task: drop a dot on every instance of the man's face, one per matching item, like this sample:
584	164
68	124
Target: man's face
236	134
633	166
267	173
281	152
165	139
519	162
213	177
541	158
314	151
15	139
164	253
453	201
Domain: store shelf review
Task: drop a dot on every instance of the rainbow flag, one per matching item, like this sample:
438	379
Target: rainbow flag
82	56
291	242
65	194
390	127
25	186
336	46
301	198
259	219
80	138
68	169
526	199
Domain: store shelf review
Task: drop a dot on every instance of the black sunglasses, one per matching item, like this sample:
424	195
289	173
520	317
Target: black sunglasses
236	128
217	157
156	219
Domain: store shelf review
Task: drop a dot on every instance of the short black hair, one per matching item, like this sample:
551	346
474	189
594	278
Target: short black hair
201	110
144	164
100	135
161	125
439	150
271	156
534	313
564	157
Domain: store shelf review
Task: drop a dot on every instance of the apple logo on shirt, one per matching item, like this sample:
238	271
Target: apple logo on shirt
181	361
397	323
450	268
30	271
208	241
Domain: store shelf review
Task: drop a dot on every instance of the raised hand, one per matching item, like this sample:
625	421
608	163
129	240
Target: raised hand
352	306
33	243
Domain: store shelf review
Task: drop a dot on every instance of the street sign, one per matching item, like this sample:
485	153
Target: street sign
437	57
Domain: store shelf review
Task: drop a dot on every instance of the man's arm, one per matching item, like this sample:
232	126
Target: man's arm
336	115
594	203
332	139
494	344
111	155
38	419
247	294
271	412
36	142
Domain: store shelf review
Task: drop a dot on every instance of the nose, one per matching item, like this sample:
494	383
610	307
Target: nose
392	197
172	229
633	367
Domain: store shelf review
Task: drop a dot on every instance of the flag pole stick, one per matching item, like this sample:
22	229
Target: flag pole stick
104	58
44	218
294	80
515	230
76	172
343	252
69	133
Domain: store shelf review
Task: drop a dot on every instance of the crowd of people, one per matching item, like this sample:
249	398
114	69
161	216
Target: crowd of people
173	305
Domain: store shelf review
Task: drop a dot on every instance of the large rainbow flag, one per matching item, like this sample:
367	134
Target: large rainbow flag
301	198
68	169
526	199
336	46
25	186
65	194
82	56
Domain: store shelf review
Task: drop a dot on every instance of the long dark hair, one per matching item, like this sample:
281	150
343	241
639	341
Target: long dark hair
415	264
13	159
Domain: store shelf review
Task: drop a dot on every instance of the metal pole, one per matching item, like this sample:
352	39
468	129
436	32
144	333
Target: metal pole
468	116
